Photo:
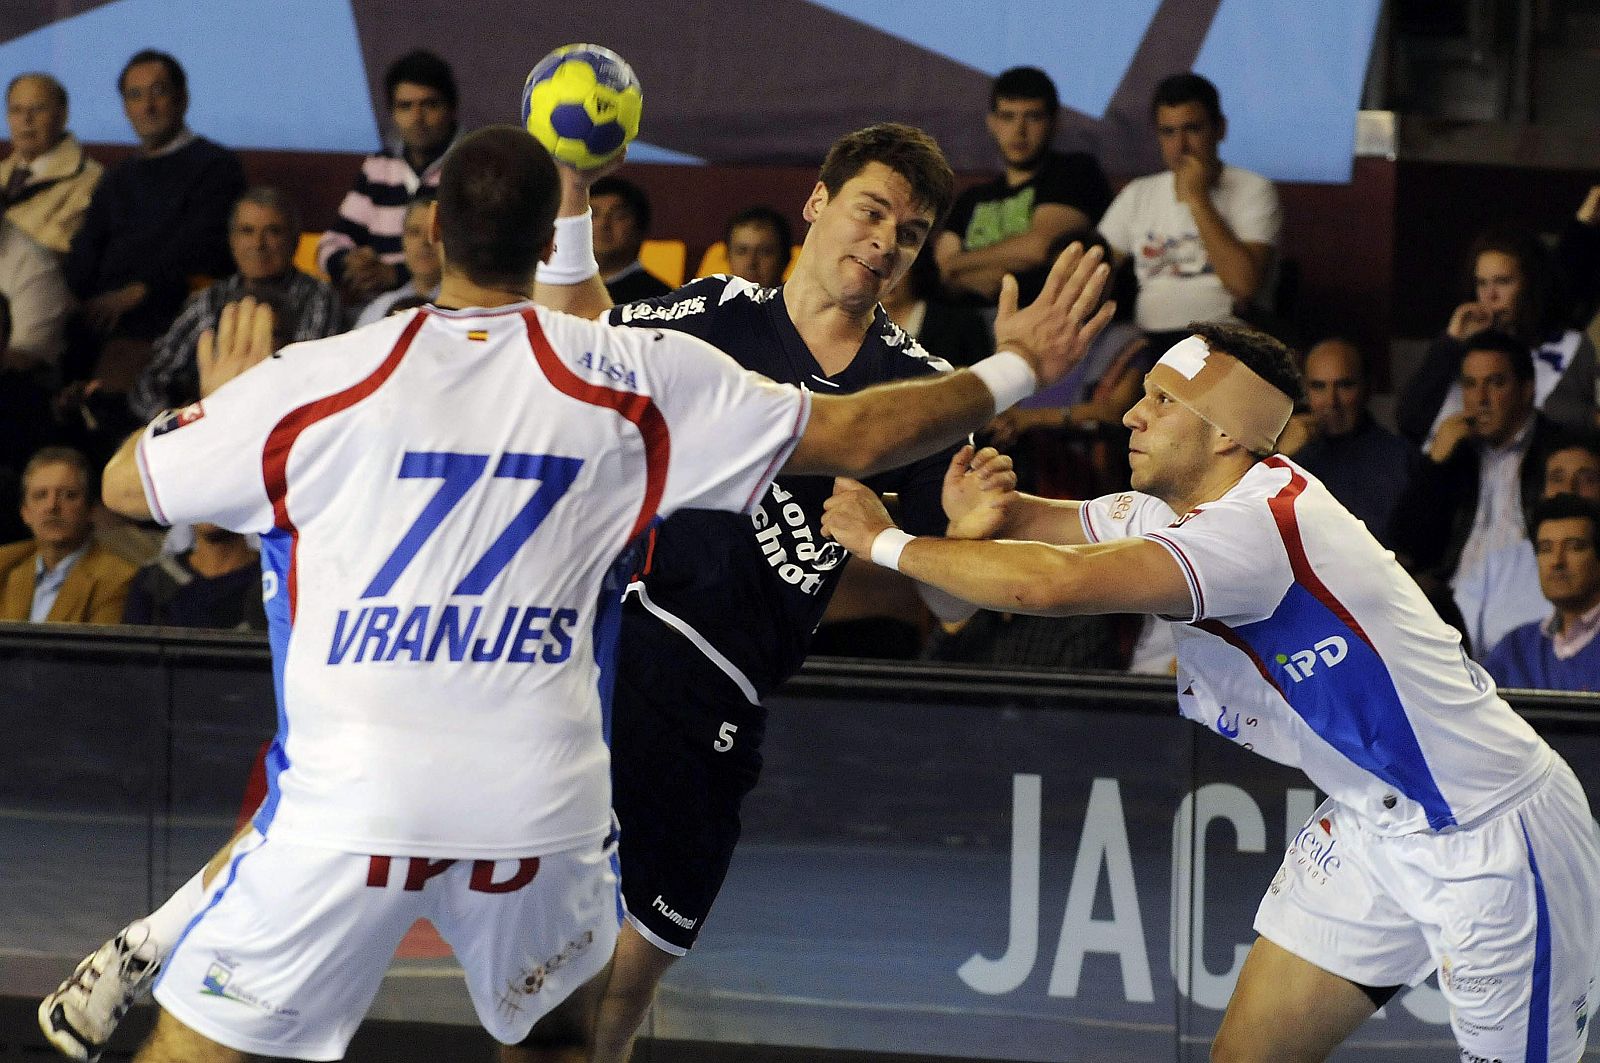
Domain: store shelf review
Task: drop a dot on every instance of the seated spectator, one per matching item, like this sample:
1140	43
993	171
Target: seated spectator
31	281
760	244
363	252
422	262
1366	466
1483	471
1578	260
262	233
216	583
1201	235
1011	224
1504	592
1559	652
958	334
1514	293
61	575
621	223
47	180
156	220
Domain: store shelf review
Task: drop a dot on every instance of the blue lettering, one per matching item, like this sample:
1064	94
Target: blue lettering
558	631
480	651
412	634
379	625
450	628
521	652
341	642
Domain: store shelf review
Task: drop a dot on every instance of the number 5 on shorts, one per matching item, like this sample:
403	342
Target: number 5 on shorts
459	473
724	740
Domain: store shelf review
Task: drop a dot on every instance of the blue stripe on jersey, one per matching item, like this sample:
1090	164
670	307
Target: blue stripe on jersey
233	873
1538	1050
1350	703
276	546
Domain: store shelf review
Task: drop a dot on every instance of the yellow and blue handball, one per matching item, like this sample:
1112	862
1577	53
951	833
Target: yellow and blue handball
582	102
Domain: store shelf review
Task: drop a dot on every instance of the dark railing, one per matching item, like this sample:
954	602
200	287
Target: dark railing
940	861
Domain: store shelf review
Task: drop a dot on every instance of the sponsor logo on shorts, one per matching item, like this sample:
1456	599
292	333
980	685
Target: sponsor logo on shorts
1473	1057
1471	1027
1317	851
684	921
1300	665
219	981
532	980
1463	983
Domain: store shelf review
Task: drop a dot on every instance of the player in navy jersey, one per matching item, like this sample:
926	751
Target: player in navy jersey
723	607
1453	838
370	796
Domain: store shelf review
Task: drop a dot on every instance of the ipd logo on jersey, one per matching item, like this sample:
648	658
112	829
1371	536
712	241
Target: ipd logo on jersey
1301	665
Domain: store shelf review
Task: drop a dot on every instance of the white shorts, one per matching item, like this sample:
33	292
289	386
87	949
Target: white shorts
1504	909
291	949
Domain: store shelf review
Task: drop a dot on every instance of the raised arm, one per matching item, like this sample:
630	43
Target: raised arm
570	280
886	426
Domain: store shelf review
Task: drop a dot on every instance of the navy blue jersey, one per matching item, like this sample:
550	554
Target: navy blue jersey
749	591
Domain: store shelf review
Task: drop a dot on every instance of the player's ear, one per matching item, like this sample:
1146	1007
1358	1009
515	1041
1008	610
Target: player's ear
817	200
435	236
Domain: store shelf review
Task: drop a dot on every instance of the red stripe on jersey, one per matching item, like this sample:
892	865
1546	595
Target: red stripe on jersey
1282	506
639	409
281	440
1227	634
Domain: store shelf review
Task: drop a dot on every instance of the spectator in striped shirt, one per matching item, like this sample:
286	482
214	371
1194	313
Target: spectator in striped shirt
362	252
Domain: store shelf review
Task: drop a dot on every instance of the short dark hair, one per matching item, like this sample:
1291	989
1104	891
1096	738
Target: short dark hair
55	88
421	67
1564	507
1187	88
1587	442
633	197
1266	357
1025	83
1517	353
273	198
498	195
59	456
907	151
763	215
180	80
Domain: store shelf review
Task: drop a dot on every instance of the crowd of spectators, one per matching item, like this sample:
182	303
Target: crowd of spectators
1486	484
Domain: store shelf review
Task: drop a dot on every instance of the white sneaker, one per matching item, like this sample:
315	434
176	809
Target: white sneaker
79	1017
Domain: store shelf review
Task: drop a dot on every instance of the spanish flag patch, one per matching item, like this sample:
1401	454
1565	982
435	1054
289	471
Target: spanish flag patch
478	334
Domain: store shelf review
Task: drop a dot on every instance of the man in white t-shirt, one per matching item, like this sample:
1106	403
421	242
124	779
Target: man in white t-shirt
441	669
1453	838
1202	234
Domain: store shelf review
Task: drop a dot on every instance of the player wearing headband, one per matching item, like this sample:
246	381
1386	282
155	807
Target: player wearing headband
1453	837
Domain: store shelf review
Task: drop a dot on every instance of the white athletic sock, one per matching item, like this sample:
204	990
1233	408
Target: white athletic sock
166	923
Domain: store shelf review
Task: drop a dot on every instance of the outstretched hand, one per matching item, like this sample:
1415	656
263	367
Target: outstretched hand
1055	330
853	516
243	339
979	489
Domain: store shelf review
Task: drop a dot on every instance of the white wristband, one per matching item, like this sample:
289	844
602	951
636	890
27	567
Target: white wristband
887	546
573	259
1009	378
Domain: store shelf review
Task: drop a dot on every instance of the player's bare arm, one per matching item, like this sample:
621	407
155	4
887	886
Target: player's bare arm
557	285
889	425
1130	575
243	339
